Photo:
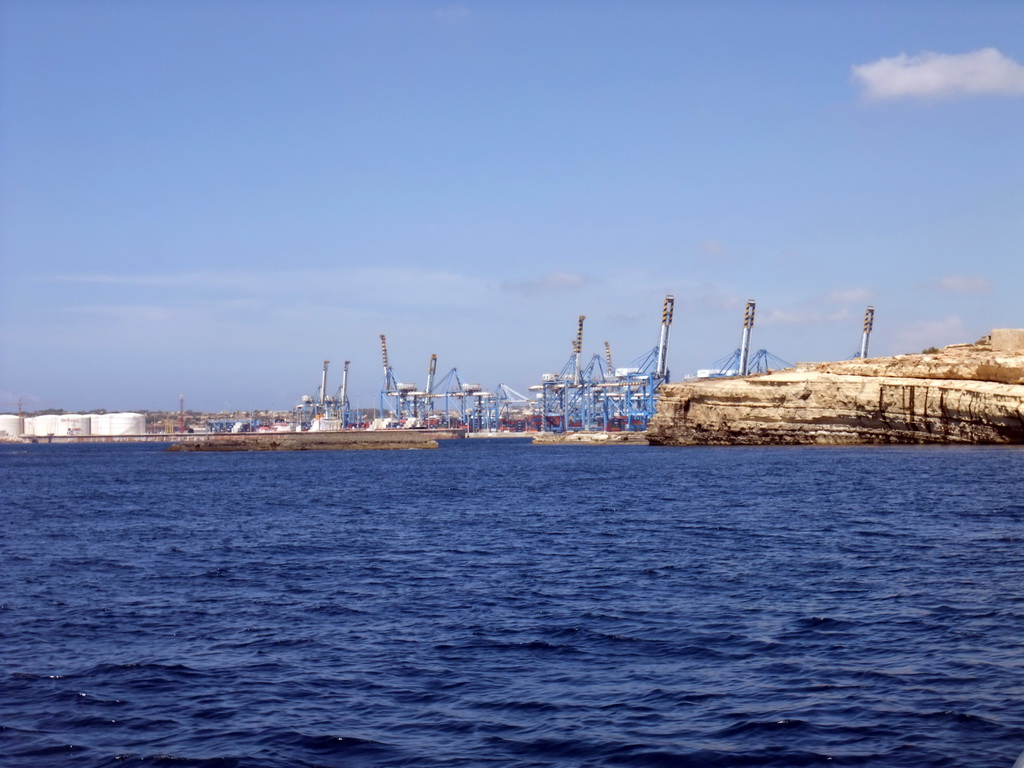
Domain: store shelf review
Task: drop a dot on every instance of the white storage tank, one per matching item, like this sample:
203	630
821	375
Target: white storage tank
10	425
44	425
100	423
73	425
125	424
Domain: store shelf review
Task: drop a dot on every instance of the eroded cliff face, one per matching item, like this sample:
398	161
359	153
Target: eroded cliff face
962	394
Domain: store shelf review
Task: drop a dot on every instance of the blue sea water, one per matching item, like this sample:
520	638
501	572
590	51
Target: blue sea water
495	603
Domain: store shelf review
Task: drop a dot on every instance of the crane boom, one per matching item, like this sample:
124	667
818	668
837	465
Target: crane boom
661	369
577	349
431	373
748	324
323	383
869	323
343	397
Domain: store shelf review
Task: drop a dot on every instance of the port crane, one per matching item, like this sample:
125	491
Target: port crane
630	398
869	323
397	398
741	362
328	412
599	396
342	408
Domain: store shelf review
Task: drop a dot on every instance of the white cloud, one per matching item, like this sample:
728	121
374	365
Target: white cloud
452	13
401	280
712	248
790	317
123	313
931	333
252	281
842	315
552	281
963	284
849	296
126	279
394	285
928	74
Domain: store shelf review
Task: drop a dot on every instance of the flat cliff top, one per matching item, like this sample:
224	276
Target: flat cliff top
967	366
958	362
811	377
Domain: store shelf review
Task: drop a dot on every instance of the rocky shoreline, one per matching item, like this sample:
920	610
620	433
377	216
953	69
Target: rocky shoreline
590	438
962	394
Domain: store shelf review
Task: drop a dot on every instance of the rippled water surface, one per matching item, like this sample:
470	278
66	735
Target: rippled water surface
499	603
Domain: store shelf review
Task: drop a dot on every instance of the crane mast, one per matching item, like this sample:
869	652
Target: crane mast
431	373
608	360
661	369
577	349
323	384
748	325
390	382
869	322
390	385
343	396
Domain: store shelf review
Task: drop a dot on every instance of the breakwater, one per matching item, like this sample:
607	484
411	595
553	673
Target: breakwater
353	440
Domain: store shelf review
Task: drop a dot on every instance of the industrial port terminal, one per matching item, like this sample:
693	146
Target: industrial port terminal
585	395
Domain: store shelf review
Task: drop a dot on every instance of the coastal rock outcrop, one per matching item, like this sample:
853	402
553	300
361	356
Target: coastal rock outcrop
964	393
590	438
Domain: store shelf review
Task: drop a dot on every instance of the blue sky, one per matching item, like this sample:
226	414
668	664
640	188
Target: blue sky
210	198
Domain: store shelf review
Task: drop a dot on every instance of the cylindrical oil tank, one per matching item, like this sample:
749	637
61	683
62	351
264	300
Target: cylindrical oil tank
44	425
100	423
73	424
10	425
125	424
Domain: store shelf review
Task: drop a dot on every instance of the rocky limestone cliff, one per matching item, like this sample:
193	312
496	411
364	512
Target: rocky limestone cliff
965	393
